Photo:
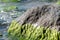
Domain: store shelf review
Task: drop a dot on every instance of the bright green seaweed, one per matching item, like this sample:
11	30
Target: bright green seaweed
29	32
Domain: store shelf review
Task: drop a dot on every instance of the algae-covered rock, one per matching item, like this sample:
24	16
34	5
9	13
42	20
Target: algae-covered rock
1	35
45	15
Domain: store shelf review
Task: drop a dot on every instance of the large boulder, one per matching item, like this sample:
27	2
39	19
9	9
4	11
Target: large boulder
45	15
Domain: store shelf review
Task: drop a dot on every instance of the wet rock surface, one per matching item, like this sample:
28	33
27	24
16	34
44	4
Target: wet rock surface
45	15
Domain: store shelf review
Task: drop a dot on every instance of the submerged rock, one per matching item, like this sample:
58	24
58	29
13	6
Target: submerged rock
45	15
5	19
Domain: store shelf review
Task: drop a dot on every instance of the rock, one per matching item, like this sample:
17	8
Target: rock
46	15
1	39
1	35
5	18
